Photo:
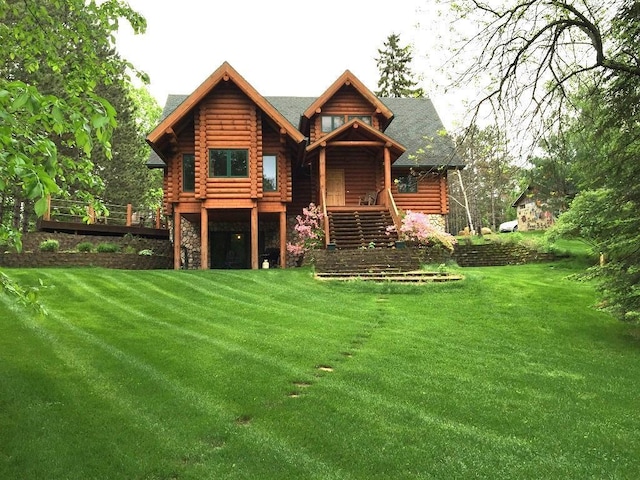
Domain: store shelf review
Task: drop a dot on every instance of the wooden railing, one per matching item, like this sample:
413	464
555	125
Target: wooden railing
327	236
74	211
393	209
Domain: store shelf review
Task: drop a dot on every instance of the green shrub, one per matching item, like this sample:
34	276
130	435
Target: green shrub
50	245
146	252
129	249
108	247
85	247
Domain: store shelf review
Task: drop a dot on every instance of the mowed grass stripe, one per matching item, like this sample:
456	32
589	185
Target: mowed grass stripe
130	315
138	412
257	436
80	385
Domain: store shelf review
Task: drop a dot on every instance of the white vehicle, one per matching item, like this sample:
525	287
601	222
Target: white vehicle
511	226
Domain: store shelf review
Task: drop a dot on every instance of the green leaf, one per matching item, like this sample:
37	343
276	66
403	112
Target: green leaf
41	206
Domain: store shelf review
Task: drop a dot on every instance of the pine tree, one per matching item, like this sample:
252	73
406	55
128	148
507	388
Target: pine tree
396	77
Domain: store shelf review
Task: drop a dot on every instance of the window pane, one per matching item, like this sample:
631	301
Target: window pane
238	160
327	124
218	163
407	184
338	122
269	173
188	173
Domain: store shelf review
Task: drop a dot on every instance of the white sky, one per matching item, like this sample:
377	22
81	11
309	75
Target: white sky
281	47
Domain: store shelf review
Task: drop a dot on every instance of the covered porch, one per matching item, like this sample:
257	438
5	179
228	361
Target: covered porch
242	237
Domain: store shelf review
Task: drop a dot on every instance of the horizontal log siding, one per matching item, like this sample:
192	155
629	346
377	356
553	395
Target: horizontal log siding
302	192
362	173
429	198
186	145
346	101
228	120
272	145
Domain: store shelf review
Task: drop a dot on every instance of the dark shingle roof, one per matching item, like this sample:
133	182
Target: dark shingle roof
416	125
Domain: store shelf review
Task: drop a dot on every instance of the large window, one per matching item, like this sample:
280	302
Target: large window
188	172
269	173
331	122
228	163
407	184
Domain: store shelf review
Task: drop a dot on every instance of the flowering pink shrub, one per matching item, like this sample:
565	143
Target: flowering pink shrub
308	232
416	227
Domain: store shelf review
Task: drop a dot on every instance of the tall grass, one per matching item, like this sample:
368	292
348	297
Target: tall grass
510	373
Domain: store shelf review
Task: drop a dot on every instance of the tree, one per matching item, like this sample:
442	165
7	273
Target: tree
552	173
60	42
490	176
574	66
394	65
125	175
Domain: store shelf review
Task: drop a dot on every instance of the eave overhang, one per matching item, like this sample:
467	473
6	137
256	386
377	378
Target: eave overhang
164	135
369	138
348	79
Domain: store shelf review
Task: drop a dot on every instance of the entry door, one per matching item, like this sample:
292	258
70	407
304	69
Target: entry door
335	187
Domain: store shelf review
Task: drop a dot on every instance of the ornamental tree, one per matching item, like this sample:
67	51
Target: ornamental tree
416	227
308	232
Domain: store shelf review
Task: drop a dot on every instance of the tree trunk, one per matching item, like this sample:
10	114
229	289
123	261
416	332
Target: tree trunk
466	201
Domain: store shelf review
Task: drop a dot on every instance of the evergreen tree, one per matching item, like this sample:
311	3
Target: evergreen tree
394	65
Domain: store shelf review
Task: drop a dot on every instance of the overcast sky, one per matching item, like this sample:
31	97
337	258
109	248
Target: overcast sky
281	47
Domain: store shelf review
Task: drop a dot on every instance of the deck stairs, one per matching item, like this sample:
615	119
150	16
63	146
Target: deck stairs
361	228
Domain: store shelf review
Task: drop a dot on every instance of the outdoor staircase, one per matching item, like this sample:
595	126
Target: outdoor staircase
361	228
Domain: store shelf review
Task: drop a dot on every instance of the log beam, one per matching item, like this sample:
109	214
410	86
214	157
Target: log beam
254	238
204	239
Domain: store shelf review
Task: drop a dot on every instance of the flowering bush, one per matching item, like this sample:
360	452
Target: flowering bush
416	227
308	232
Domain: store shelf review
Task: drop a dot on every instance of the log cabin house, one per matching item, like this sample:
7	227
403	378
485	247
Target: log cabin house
239	167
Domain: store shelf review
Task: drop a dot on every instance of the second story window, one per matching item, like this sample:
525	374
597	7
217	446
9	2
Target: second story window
331	122
269	173
228	163
188	172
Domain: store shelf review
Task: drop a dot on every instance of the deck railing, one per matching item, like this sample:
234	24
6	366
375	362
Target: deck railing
75	211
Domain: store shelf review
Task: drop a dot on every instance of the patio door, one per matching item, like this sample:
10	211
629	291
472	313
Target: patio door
335	187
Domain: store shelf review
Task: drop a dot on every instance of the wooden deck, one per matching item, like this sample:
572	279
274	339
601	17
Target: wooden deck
102	229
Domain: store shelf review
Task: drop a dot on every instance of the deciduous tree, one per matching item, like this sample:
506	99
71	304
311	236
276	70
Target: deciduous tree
61	43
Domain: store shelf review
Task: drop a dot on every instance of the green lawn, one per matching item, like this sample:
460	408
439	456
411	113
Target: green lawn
271	374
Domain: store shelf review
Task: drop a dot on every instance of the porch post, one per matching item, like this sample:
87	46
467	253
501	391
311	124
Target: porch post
323	175
177	240
254	237
387	174
283	239
204	238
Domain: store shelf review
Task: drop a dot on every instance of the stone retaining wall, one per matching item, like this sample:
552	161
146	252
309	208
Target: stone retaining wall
124	261
497	254
68	242
67	256
411	258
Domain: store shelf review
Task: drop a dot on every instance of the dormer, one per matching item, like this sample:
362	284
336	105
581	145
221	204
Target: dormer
345	100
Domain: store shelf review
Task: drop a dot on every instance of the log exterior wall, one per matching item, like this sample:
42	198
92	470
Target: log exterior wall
431	197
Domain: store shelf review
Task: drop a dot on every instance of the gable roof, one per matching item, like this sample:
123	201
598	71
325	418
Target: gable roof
224	73
414	123
348	78
368	131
